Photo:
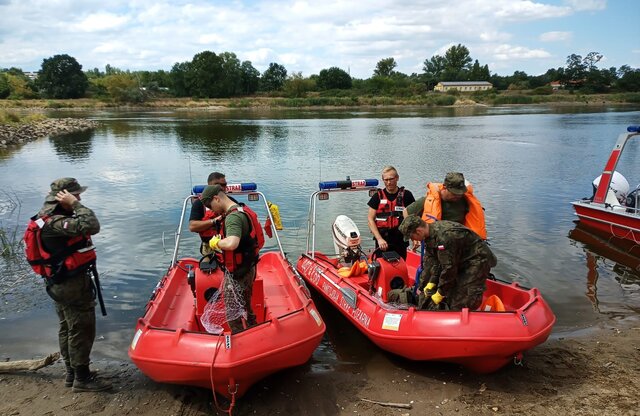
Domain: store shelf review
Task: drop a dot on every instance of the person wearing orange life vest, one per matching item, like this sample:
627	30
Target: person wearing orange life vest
452	200
66	222
385	213
238	245
202	220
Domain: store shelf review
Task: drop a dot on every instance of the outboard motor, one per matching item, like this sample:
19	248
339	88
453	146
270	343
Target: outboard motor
633	198
619	186
346	239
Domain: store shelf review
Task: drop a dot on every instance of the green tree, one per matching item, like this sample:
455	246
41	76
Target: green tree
385	67
230	83
204	75
629	79
61	76
479	73
123	88
178	79
433	69
297	86
273	78
4	86
334	78
19	86
576	69
250	78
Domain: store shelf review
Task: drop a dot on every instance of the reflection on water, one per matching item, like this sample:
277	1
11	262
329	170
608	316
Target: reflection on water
613	258
526	164
75	147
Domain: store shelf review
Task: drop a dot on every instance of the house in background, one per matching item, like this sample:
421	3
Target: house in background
556	85
463	86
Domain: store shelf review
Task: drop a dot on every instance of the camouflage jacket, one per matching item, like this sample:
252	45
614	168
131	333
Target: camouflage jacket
63	224
451	247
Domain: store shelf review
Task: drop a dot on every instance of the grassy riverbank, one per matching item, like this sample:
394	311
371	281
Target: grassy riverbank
340	99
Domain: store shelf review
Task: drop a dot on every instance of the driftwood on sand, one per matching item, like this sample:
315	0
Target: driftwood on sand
28	365
389	404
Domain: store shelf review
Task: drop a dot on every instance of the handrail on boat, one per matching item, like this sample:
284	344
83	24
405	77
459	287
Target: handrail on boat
249	189
327	187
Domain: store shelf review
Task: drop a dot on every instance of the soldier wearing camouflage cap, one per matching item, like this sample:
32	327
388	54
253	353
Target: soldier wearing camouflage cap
452	200
455	266
67	228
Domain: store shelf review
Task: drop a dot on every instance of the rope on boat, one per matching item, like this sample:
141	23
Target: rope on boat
229	411
625	236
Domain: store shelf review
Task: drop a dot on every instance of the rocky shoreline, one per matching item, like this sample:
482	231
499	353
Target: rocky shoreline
11	135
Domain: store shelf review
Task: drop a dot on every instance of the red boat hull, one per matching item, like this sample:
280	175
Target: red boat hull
618	224
480	341
171	346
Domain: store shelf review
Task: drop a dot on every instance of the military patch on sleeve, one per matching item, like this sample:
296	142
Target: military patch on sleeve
65	225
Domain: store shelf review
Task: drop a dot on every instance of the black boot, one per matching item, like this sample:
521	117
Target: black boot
86	380
71	375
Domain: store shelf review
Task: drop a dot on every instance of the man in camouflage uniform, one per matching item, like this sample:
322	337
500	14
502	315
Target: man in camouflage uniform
455	266
237	231
72	291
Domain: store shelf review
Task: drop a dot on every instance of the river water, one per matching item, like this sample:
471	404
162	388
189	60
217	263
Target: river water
526	163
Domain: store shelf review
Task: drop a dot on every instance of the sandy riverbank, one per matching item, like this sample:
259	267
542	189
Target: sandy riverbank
596	373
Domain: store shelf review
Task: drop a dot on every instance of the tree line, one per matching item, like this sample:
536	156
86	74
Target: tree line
223	75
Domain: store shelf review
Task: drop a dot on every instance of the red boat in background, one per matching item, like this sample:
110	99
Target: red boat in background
617	215
511	320
171	344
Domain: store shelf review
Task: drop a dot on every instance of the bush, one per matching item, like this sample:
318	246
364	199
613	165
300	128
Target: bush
512	99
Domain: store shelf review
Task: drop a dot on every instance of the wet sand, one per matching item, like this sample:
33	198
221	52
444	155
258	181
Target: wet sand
596	372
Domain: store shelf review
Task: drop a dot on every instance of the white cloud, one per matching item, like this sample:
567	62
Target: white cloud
555	36
587	5
100	22
509	52
302	35
528	10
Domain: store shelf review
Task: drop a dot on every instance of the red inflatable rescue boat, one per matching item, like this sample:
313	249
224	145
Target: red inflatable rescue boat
171	344
511	320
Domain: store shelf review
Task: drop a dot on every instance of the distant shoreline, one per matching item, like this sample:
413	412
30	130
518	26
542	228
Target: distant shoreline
432	100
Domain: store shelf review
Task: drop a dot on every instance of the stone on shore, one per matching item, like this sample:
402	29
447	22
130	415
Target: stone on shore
11	135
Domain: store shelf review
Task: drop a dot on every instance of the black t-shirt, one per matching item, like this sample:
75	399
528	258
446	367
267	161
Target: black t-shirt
197	211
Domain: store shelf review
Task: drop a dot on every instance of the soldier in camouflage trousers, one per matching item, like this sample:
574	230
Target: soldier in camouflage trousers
72	290
456	263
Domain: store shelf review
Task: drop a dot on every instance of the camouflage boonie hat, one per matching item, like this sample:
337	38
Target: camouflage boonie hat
209	192
409	225
69	184
454	182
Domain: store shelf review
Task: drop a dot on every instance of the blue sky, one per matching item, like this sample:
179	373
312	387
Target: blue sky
307	36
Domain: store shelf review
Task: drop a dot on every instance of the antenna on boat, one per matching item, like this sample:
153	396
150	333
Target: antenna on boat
190	176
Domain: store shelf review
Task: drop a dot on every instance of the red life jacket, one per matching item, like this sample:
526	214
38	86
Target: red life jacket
247	254
389	212
78	252
209	232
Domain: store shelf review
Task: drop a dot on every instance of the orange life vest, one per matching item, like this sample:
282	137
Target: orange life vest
389	212
474	219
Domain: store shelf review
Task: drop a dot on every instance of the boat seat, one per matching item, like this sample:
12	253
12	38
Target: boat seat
207	284
257	300
391	274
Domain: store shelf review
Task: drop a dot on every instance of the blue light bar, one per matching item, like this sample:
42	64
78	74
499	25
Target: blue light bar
347	184
231	188
633	129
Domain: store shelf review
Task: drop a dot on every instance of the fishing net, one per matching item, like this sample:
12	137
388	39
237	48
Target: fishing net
224	306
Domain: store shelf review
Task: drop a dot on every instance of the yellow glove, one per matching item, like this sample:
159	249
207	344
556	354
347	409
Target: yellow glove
213	243
430	286
437	297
